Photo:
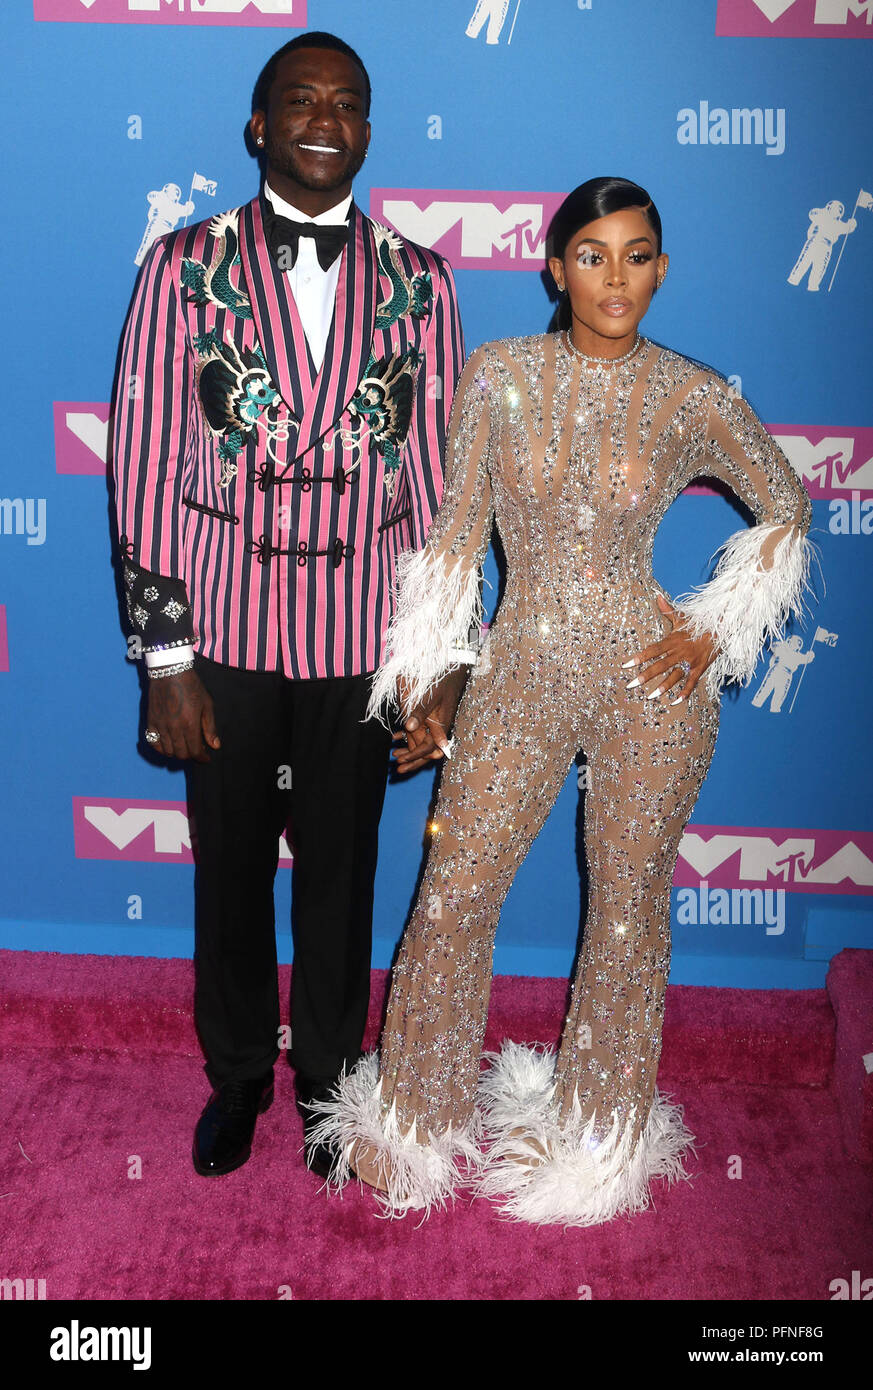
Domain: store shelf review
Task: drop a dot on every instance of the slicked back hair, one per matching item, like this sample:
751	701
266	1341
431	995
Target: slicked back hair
598	198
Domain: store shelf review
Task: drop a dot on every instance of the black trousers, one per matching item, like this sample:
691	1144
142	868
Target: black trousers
310	733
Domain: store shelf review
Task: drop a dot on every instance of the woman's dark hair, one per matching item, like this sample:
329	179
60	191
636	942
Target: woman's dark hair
593	199
313	39
598	198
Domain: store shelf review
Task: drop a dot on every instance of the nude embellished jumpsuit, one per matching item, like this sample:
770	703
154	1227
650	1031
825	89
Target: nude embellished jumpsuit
577	466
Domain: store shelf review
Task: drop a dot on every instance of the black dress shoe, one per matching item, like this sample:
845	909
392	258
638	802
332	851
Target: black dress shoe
319	1157
223	1137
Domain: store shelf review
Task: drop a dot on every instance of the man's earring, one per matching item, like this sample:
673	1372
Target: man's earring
260	139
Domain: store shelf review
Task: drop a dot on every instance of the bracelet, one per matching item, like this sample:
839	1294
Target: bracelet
157	673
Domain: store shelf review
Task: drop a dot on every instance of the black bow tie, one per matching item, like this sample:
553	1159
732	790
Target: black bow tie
283	239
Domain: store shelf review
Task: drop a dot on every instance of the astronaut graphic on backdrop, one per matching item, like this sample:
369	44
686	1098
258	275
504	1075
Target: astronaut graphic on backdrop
495	12
825	229
786	658
165	209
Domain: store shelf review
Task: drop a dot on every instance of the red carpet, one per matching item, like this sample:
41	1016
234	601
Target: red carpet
100	1067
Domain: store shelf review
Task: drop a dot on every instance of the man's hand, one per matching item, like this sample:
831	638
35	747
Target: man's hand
669	654
426	728
180	710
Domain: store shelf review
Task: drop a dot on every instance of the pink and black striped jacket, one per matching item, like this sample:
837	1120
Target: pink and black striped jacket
261	503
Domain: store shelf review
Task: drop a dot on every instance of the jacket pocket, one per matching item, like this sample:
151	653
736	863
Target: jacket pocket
209	511
393	520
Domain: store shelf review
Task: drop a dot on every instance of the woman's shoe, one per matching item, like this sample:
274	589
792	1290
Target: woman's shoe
407	1174
548	1171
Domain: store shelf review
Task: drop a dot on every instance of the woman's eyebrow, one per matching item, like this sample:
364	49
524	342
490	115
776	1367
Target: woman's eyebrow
633	242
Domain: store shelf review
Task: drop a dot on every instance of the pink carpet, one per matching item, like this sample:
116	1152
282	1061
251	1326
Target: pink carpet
100	1066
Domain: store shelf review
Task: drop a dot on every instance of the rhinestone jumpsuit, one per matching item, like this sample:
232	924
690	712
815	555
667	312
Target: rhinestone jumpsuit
577	466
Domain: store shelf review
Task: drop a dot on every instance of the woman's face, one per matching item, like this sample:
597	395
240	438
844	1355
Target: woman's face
610	269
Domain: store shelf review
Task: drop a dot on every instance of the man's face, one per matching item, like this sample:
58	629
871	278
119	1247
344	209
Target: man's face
315	131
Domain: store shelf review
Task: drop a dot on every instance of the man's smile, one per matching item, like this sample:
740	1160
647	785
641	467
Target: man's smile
319	149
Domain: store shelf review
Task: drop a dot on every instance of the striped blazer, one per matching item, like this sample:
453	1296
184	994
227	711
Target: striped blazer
261	502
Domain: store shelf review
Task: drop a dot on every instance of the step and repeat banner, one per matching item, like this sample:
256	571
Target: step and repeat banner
749	122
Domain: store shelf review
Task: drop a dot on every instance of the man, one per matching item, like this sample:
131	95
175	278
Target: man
286	374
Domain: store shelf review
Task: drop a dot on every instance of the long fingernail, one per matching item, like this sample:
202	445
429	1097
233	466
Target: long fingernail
636	681
632	662
654	693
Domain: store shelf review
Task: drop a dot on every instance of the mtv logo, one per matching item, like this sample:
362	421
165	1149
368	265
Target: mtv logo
795	19
155	832
832	462
800	861
4	640
81	437
252	14
474	231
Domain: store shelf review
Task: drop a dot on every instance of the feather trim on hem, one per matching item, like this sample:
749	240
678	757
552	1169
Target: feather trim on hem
744	606
418	1175
436	606
551	1173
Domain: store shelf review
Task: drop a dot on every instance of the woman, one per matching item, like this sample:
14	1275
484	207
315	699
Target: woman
577	442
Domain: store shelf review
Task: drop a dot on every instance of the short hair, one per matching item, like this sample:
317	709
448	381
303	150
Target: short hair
598	198
313	39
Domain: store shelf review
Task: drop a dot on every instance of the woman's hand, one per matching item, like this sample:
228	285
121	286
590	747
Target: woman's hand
426	728
680	660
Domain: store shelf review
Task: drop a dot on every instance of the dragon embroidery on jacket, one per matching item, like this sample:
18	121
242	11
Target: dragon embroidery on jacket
381	408
238	397
210	284
407	296
237	393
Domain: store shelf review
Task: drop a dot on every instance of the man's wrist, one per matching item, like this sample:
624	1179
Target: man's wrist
172	655
178	669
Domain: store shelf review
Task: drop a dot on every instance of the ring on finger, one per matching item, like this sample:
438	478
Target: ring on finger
152	736
685	668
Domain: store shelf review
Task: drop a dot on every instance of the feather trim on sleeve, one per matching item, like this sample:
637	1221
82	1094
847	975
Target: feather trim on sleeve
438	600
744	606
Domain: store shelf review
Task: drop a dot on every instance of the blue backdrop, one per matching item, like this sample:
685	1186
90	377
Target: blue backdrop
744	118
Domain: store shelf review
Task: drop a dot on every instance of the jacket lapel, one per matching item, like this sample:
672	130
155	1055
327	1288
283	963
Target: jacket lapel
276	317
350	339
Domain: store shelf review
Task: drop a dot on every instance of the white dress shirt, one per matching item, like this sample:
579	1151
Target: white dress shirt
314	291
